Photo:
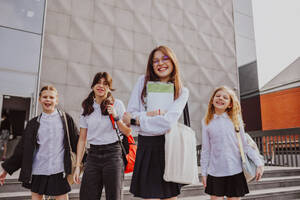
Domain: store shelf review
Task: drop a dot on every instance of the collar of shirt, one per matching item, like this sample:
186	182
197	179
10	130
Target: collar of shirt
223	115
49	116
96	105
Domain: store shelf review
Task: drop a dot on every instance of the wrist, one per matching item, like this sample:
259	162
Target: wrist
137	121
133	121
116	118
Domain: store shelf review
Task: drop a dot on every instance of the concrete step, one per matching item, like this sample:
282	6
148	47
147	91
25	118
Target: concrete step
189	191
265	194
273	178
12	184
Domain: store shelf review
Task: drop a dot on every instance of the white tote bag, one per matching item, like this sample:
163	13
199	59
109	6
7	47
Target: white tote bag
180	155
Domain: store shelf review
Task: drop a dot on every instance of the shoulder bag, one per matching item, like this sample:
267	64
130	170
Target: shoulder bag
72	154
180	153
249	167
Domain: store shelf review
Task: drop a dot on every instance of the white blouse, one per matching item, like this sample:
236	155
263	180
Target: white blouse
49	157
99	127
157	125
220	154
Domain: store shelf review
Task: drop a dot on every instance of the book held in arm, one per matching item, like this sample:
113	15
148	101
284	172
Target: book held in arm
159	95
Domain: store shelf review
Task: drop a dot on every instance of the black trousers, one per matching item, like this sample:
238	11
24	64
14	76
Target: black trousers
104	168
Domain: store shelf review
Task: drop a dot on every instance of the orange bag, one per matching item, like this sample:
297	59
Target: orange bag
131	153
128	147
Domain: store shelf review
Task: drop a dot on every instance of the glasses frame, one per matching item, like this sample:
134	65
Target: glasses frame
164	59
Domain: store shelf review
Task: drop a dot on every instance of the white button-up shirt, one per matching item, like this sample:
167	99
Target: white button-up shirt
49	157
99	127
157	125
220	154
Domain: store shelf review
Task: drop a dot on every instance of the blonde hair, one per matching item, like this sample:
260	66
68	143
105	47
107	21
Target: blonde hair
48	87
233	111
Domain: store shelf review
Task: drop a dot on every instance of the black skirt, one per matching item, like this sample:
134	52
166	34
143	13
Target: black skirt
230	186
53	185
147	179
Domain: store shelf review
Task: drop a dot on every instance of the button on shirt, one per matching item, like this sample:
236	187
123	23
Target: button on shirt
49	157
99	127
157	125
220	154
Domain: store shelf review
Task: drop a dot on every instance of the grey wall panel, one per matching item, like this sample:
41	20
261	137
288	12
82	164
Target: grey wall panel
19	51
117	36
22	14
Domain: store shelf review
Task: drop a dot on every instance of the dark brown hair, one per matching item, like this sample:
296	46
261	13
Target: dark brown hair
87	104
174	76
48	87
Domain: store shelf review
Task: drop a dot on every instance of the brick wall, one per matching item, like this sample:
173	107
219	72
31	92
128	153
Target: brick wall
281	109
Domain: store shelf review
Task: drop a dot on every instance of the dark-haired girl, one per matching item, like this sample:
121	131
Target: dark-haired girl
104	166
147	179
43	154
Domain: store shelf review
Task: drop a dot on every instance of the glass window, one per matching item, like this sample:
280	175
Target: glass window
19	51
22	14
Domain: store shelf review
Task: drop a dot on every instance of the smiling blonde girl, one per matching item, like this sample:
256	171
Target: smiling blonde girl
221	162
43	153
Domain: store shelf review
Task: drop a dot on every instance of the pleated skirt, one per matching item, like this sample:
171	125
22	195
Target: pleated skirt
52	185
230	186
147	179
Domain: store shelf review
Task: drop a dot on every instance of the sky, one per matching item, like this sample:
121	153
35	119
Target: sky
277	35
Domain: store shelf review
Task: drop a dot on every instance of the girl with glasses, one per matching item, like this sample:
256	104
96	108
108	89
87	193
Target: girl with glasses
147	179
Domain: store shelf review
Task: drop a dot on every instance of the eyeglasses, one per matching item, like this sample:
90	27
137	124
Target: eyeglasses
164	59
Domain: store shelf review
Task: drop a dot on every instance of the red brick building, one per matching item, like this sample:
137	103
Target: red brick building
274	106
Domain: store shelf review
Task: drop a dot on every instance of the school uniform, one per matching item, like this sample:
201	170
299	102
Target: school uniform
221	160
104	167
45	144
147	179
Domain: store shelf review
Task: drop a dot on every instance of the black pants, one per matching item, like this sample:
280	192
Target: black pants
104	168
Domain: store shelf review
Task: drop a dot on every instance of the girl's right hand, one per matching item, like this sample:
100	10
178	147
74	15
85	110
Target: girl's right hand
76	175
2	177
155	113
204	178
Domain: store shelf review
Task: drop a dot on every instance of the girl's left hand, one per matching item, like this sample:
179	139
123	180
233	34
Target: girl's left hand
259	172
111	110
126	118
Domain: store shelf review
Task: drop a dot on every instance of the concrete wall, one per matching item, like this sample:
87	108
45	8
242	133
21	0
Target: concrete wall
244	28
85	37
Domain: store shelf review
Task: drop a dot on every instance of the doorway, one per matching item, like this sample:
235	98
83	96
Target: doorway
17	110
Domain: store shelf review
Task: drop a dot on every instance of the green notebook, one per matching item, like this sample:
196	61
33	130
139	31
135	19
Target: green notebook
159	95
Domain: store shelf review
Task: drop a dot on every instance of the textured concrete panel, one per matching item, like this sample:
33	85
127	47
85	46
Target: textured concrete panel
83	9
118	35
81	29
80	51
79	75
54	70
123	59
57	23
102	55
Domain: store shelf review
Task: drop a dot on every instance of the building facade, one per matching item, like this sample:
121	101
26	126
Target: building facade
81	38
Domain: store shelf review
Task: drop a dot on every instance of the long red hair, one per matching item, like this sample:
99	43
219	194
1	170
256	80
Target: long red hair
174	76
